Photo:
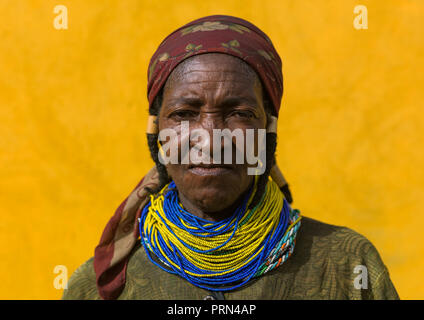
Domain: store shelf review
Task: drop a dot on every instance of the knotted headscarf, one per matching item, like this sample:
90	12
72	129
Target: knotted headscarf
222	34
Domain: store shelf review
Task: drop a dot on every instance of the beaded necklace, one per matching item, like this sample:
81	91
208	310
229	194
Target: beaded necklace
224	255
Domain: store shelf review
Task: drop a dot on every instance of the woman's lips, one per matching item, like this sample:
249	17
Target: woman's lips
212	170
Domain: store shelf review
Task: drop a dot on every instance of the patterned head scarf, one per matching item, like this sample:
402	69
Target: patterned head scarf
224	34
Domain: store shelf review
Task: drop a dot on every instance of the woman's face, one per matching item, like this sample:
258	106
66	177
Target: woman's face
212	91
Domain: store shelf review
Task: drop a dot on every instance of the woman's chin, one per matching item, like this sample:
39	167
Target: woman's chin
215	198
211	190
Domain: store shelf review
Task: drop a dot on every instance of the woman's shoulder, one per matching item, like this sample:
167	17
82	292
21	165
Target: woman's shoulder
82	283
334	237
344	254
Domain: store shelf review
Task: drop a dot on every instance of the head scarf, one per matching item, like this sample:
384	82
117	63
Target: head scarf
224	34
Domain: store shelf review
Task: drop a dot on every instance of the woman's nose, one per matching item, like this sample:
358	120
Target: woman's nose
215	141
211	120
202	132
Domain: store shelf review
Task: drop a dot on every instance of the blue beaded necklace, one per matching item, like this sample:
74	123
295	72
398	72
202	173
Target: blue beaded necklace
224	255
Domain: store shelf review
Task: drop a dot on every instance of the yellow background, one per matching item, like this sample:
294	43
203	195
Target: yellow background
73	113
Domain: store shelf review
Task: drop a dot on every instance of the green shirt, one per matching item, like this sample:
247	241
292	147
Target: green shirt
328	262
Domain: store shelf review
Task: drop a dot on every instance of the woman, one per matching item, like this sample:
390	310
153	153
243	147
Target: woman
203	230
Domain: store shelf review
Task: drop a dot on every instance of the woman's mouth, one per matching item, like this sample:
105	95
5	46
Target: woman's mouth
210	169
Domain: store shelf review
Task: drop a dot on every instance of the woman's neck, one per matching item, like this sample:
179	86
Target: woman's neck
206	214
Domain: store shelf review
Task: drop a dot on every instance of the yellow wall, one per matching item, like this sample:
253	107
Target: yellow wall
73	109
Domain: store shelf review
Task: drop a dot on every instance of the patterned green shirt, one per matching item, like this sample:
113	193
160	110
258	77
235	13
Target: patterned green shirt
329	262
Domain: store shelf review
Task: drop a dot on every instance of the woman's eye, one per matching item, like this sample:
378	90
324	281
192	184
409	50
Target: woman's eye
183	114
243	114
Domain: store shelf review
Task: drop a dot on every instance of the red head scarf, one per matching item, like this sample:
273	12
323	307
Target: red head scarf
224	34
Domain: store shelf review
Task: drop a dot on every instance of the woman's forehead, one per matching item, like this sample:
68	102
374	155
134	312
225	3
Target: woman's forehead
212	67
